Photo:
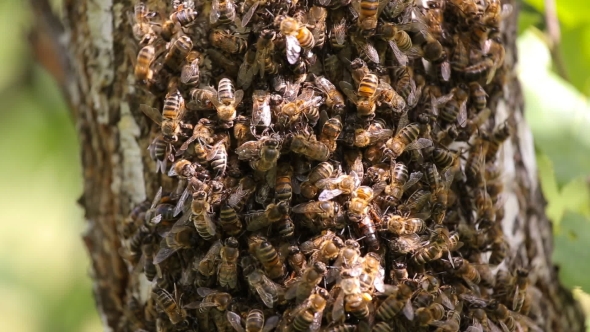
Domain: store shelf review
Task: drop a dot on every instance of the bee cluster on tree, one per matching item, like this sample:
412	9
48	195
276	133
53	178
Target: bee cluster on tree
335	168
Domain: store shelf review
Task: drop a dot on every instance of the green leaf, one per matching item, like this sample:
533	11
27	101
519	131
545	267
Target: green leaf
571	250
559	116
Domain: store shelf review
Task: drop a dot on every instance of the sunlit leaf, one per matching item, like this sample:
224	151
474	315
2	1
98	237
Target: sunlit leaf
556	112
571	250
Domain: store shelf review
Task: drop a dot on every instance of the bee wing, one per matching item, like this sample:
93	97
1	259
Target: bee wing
235	320
256	220
421	143
265	296
292	290
152	113
238	96
445	70
340	33
163	254
409	310
248	150
249	13
378	188
338	308
462	116
214	13
317	321
399	55
301	208
348	91
403	121
293	49
474	329
445	301
327	195
371	52
188	72
181	206
493	327
379	283
324	3
271	323
414	178
157	198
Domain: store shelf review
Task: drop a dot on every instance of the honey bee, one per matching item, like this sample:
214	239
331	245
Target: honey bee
400	181
323	170
201	216
177	53
307	316
433	250
334	99
398	40
160	152
398	300
400	225
222	11
501	314
296	260
366	95
145	57
351	299
189	75
294	106
225	100
495	12
181	236
467	9
227	273
297	37
302	287
333	187
372	274
283	185
452	323
265	53
348	257
317	20
338	34
498	137
323	248
330	132
169	304
171	117
262	154
211	299
261	116
478	96
462	268
365	49
254	322
268	256
365	227
184	16
359	203
405	139
142	28
268	291
257	220
310	148
427	315
368	14
388	96
207	265
227	42
406	243
371	136
229	220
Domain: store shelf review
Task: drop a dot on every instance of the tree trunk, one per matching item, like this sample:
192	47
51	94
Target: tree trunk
119	174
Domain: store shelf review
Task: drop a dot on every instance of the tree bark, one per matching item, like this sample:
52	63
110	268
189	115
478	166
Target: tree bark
118	172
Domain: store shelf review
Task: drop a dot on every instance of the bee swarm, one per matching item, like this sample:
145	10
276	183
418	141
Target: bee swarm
334	167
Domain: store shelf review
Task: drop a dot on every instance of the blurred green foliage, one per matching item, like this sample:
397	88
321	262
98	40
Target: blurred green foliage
44	284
